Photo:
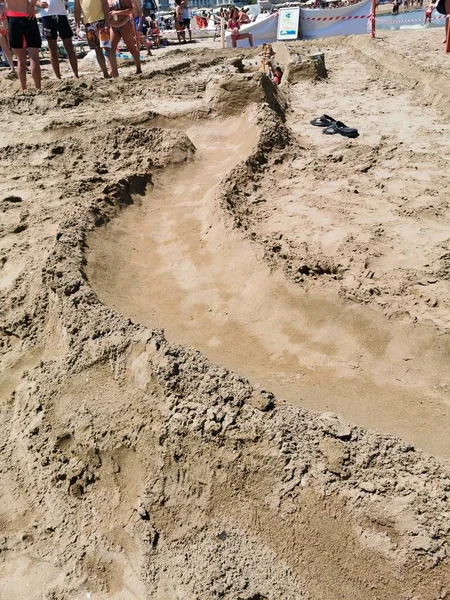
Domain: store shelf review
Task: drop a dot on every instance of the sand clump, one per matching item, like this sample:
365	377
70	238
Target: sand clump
132	465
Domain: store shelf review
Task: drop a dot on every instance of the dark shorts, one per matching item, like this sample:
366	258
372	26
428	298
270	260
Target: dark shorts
23	33
187	23
56	25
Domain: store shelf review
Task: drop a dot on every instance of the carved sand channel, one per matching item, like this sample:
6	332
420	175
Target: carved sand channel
174	261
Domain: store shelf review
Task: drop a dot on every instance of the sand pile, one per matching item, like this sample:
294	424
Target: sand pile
133	466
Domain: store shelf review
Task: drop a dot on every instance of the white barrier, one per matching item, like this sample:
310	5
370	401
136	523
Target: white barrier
349	20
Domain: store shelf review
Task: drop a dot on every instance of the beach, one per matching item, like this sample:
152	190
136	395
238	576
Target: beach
225	336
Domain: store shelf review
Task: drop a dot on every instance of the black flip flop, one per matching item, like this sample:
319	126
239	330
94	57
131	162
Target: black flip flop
339	127
323	121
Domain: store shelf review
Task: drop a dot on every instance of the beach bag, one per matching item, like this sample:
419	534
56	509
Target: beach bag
440	7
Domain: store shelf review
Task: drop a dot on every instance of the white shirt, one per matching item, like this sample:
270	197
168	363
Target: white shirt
55	7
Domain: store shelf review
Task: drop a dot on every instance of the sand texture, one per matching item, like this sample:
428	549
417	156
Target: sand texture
225	336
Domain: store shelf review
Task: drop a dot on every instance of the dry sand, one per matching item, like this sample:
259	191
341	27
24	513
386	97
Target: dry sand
292	273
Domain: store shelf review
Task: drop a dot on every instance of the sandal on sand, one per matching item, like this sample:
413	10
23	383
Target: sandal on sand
323	121
339	127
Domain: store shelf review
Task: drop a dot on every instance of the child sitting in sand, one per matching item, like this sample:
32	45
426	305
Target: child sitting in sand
266	55
277	75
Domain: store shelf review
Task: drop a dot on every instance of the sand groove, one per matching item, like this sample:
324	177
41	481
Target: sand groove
173	261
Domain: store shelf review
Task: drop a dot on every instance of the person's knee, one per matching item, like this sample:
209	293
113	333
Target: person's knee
33	54
68	45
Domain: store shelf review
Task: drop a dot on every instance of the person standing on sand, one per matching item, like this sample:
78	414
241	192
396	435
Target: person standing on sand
24	36
54	23
179	23
4	40
443	8
186	19
96	21
121	13
447	20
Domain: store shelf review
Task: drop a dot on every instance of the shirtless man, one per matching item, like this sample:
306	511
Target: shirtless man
23	33
95	15
428	10
243	17
55	23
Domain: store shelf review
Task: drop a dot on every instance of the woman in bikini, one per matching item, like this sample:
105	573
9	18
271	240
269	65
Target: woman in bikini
120	16
234	25
4	45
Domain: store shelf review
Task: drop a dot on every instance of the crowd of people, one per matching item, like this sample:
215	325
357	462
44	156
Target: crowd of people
406	5
103	23
322	4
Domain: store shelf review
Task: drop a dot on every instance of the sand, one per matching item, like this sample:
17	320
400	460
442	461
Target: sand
224	335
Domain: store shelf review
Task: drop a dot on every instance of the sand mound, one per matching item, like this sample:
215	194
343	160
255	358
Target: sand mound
132	465
233	93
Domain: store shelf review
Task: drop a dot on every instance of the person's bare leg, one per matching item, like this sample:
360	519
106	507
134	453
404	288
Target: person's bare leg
21	54
190	33
128	38
68	45
111	55
447	26
5	47
148	45
35	66
54	58
115	38
102	62
250	39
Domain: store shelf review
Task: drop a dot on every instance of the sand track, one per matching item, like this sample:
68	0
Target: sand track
173	261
